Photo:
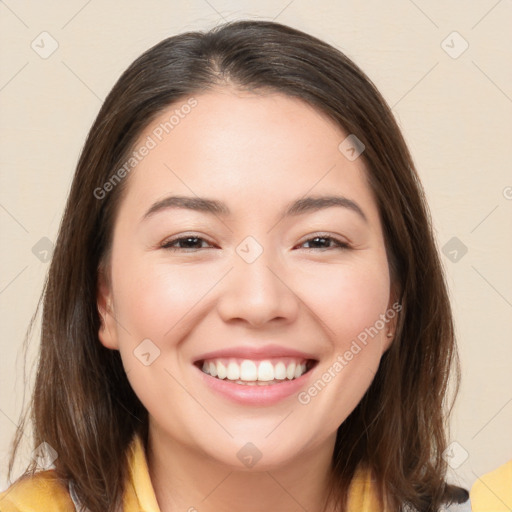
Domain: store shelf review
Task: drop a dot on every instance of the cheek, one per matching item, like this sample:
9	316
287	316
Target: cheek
154	298
347	298
349	305
156	301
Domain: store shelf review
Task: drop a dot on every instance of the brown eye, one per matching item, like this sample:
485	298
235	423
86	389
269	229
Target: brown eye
323	242
185	242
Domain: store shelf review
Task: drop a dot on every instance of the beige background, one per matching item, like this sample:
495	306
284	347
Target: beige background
455	114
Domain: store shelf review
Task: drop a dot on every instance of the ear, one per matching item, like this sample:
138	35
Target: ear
107	333
392	312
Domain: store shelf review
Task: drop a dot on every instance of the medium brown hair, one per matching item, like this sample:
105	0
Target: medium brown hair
83	405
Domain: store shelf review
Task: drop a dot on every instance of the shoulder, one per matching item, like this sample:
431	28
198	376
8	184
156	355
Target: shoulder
34	493
493	491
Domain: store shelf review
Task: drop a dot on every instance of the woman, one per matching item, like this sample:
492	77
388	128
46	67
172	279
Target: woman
245	307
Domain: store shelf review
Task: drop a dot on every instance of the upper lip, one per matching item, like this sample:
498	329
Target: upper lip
252	352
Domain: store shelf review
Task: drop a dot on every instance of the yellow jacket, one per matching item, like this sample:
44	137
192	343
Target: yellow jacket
43	492
493	491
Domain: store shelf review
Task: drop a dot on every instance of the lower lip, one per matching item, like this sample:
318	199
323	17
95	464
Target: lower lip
255	395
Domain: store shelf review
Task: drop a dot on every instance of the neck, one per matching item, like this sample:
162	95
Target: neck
186	480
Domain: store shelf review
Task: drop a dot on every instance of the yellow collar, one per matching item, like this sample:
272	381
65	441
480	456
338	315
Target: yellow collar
139	494
44	491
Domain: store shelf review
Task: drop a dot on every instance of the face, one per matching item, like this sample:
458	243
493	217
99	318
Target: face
258	290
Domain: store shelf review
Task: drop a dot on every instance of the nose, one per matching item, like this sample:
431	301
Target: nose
257	293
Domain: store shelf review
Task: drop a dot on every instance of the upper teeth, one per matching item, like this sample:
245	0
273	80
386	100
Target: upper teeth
248	370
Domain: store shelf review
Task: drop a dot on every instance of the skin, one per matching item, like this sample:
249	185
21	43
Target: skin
257	153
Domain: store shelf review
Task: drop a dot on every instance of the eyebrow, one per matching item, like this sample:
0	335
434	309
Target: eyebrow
214	207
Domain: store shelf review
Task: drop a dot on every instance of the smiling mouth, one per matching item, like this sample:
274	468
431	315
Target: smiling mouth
250	372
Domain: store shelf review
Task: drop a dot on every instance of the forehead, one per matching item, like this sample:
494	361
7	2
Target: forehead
269	147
